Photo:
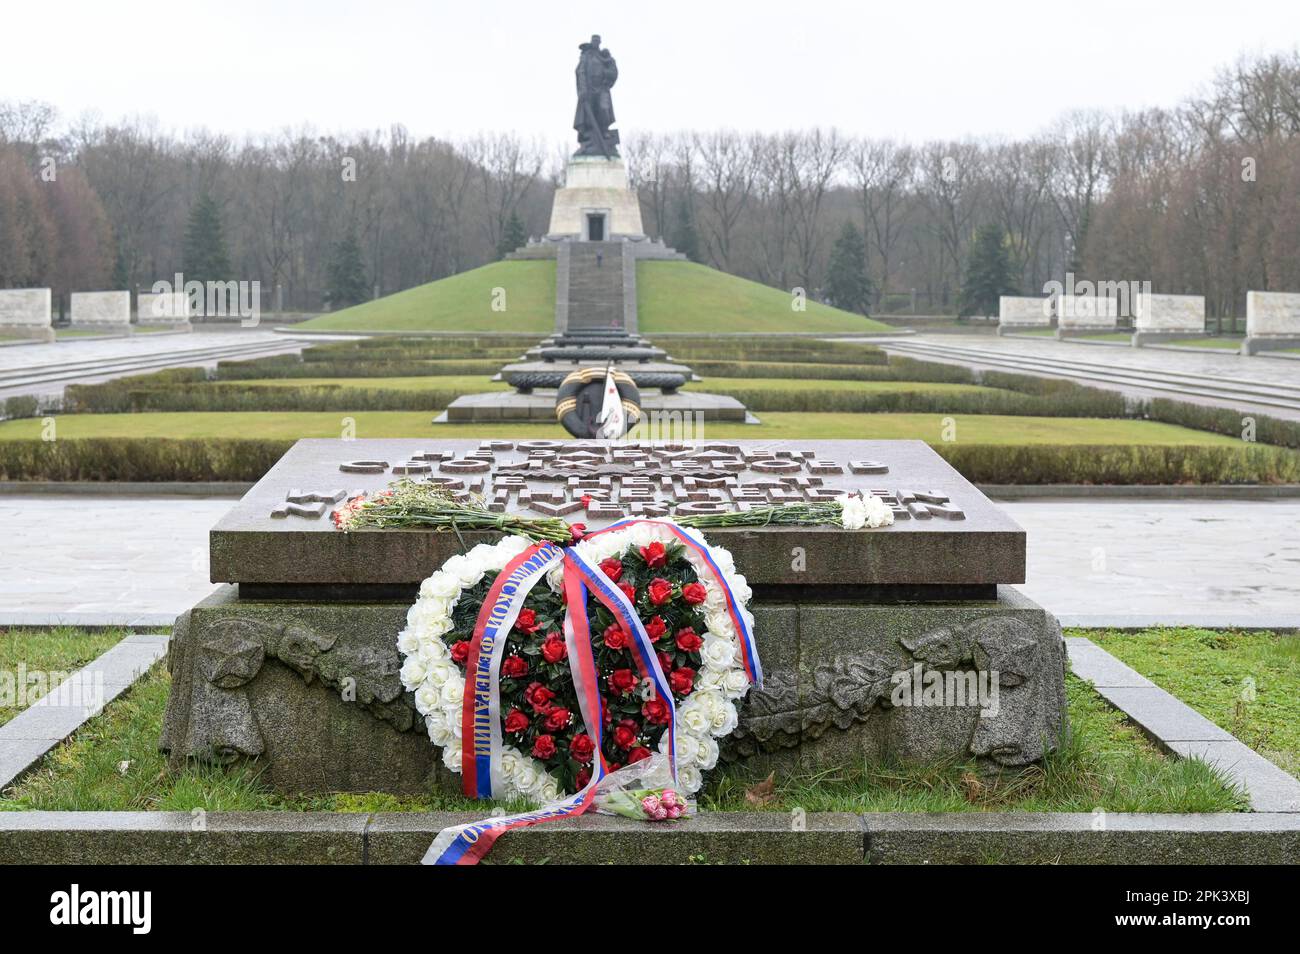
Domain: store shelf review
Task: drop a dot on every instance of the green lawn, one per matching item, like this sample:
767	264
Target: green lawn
1245	682
61	650
86	333
971	428
461	302
686	297
113	764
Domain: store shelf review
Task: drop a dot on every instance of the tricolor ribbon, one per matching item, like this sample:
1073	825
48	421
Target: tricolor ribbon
482	742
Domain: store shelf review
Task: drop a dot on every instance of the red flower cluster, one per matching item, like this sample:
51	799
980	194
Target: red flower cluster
539	702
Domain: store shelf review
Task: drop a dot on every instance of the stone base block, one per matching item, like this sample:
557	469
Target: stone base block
539	405
312	692
1257	344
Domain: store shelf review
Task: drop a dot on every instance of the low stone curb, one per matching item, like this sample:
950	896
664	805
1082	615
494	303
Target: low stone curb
26	737
1249	620
1094	838
1141	491
133	488
1178	728
710	838
87	620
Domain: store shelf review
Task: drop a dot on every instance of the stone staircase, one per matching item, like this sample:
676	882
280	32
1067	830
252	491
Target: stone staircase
595	291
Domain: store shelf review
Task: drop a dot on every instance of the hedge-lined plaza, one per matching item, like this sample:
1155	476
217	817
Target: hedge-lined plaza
995	427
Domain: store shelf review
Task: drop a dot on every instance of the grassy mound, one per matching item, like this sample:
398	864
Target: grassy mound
685	297
461	302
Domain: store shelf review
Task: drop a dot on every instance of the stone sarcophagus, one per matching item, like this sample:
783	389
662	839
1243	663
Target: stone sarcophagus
907	642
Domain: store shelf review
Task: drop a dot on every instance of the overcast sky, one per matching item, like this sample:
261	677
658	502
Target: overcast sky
915	70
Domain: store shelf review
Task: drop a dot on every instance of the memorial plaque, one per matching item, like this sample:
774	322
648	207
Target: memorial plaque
945	532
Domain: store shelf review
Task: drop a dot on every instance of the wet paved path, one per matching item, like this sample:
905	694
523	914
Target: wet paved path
1212	562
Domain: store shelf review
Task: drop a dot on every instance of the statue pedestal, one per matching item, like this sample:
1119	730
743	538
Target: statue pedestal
596	202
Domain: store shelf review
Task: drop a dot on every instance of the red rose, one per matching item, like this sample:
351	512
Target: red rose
557	718
629	591
577	531
660	591
654	555
538	696
637	754
527	623
615	637
582	748
624	737
682	680
544	746
613	568
516	721
553	649
656	711
665	660
514	667
656	627
582	778
622	681
688	641
694	593
460	651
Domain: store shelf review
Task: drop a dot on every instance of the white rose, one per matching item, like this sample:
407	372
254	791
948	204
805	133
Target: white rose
688	746
442	586
526	776
555	578
428	697
735	683
718	652
740	587
453	690
548	790
408	641
413	672
695	716
720	624
689	778
723	558
712	679
451	756
707	755
439	673
643	534
511	547
725	719
440	733
510	760
715	601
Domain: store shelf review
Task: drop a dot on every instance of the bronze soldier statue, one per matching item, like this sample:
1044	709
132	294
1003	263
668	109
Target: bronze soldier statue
596	74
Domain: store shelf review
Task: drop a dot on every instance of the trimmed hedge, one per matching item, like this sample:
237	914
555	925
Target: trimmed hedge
197	459
1121	464
776	349
22	405
139	459
252	370
1222	420
791	369
1084	403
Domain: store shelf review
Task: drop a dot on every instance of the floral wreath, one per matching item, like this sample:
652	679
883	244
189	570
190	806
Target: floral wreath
676	592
